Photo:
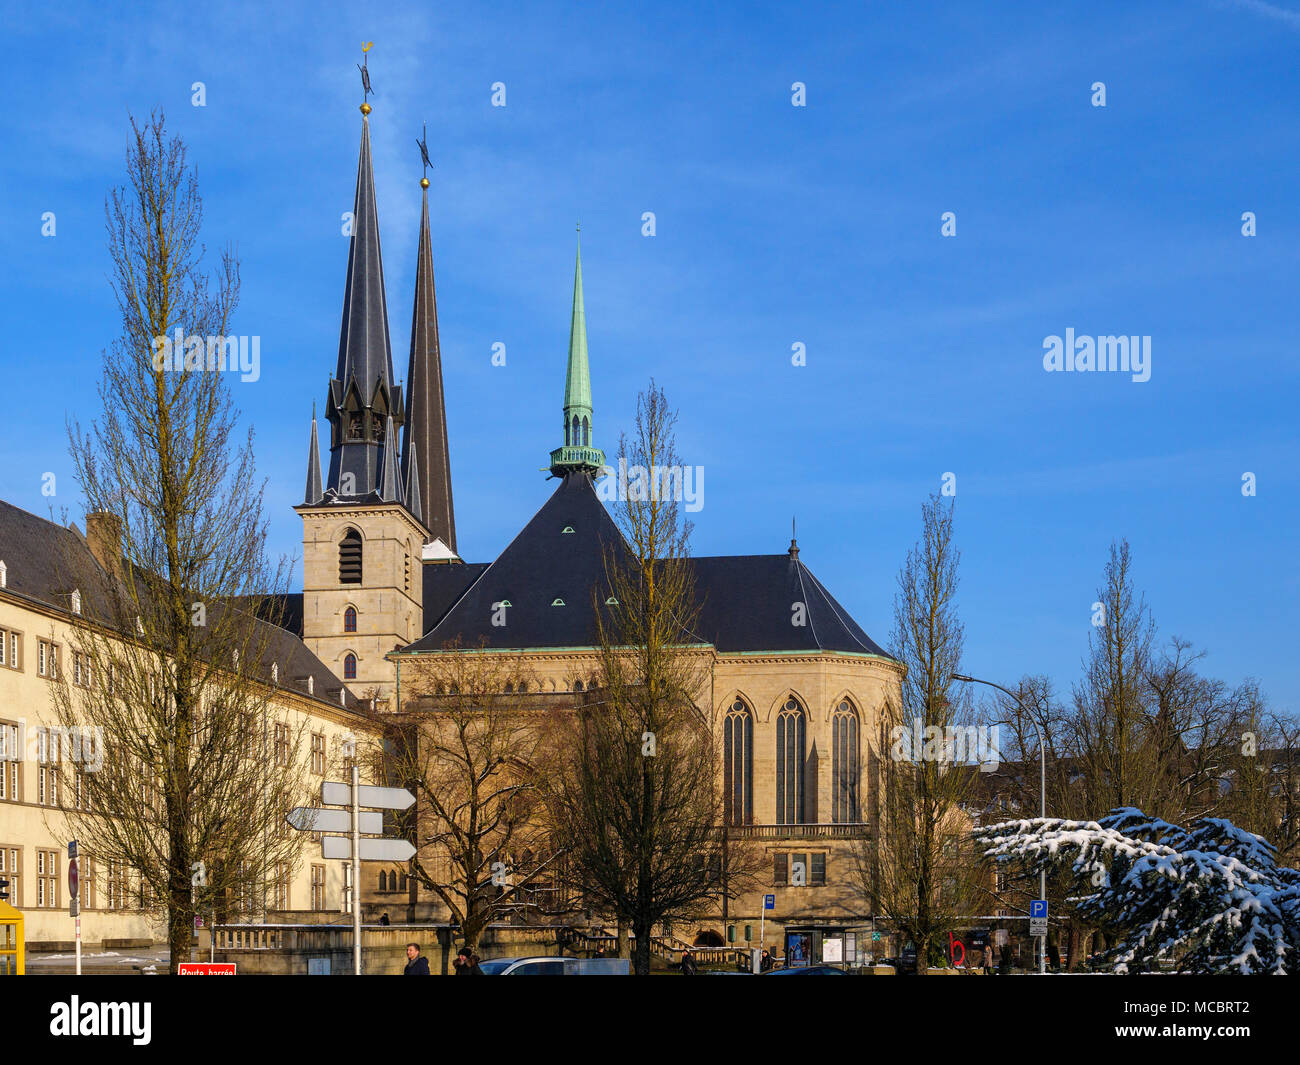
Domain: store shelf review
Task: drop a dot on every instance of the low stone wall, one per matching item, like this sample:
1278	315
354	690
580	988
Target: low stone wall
292	948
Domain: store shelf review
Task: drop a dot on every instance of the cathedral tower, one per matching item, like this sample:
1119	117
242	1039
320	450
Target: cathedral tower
362	528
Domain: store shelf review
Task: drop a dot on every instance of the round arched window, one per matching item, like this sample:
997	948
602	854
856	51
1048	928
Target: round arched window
350	667
350	619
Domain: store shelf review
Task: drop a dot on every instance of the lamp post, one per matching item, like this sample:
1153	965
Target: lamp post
1042	792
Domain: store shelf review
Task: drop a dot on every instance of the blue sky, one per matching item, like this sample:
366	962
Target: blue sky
775	225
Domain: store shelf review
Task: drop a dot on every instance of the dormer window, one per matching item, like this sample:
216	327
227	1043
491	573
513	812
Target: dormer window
4	575
567	529
311	685
275	672
76	601
611	601
557	602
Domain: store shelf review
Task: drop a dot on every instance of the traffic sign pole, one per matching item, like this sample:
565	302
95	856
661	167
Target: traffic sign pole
356	869
74	896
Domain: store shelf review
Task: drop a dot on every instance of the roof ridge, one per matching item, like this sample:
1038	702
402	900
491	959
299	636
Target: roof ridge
830	601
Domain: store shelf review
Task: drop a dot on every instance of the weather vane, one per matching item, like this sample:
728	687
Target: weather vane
424	154
365	70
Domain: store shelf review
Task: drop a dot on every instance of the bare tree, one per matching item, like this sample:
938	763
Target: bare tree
167	669
468	742
921	871
633	794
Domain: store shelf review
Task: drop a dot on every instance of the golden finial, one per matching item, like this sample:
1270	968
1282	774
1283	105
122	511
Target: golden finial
424	182
365	76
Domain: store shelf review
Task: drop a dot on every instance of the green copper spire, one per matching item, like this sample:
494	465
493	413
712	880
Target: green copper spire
577	452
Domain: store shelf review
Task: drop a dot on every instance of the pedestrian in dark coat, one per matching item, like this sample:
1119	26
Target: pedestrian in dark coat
417	964
688	964
466	963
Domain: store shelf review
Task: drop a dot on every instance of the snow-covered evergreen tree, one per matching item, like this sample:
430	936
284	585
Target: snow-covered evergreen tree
1211	898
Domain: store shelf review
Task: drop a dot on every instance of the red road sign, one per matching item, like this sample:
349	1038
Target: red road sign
205	968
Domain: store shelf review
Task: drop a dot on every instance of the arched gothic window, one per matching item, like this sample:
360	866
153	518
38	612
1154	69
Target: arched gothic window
350	619
845	766
350	667
791	735
586	433
738	770
350	558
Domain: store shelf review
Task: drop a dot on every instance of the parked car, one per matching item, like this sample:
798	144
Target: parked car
556	966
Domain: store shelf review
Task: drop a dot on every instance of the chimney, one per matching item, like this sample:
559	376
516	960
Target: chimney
104	537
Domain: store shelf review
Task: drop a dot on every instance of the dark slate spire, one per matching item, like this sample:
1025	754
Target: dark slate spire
362	394
413	483
426	415
390	490
314	491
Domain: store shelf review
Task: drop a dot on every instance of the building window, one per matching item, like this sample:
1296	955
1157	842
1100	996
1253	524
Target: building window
350	619
47	880
86	881
349	667
738	770
845	808
281	885
817	869
10	764
281	744
47	767
350	558
318	754
47	659
114	890
318	887
780	869
11	868
791	735
9	649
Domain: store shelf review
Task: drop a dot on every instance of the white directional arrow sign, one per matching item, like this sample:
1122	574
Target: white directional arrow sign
369	850
306	819
332	794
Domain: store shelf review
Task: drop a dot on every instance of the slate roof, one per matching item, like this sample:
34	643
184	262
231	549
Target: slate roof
746	601
45	561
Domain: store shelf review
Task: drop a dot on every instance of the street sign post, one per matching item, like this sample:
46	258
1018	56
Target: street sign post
353	822
372	850
769	903
307	819
74	896
332	794
1038	917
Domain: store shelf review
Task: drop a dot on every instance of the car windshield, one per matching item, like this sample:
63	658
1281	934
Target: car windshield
495	966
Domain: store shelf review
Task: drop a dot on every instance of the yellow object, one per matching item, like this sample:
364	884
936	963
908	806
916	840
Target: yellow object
365	109
11	941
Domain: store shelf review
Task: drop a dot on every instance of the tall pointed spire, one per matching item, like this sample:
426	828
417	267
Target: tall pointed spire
425	456
390	490
413	503
577	452
362	393
314	492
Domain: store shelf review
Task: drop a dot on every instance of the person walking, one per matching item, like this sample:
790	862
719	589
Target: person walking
416	963
988	959
466	963
688	964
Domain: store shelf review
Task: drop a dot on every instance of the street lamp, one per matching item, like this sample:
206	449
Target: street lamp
1042	793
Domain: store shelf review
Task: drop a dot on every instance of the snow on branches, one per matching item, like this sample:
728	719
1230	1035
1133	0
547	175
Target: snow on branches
1211	898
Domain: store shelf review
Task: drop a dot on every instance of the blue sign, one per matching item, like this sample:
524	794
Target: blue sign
1038	908
769	902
